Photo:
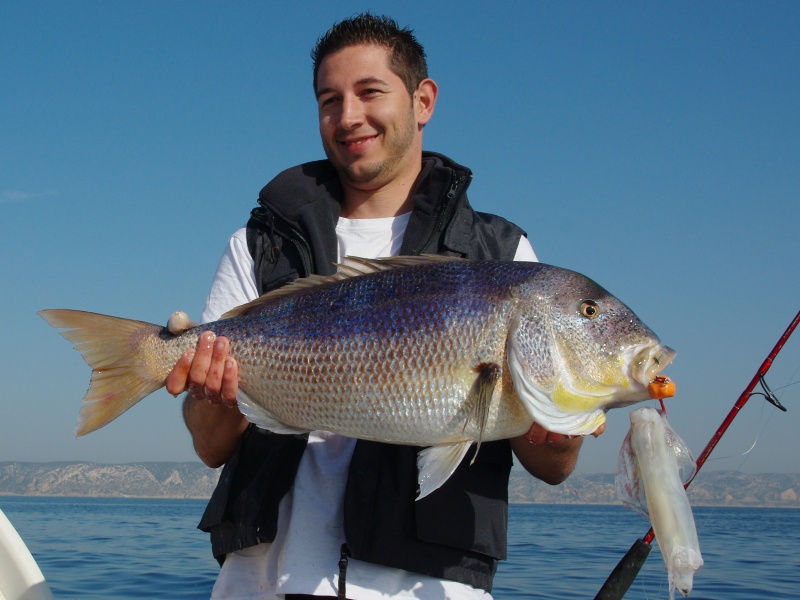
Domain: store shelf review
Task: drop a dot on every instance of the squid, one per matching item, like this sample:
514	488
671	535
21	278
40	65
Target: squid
654	464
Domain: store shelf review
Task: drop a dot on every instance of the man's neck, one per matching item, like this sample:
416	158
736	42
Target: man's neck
389	200
376	206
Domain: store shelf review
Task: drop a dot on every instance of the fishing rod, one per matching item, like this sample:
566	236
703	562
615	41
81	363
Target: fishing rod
623	575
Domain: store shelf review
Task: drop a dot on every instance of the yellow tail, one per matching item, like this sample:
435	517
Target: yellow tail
122	355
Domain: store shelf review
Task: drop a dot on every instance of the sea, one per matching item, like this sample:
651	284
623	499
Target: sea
150	548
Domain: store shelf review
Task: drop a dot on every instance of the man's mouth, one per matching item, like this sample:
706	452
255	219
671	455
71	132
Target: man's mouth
356	145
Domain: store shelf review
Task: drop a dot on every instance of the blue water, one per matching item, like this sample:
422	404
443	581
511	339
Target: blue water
135	548
116	548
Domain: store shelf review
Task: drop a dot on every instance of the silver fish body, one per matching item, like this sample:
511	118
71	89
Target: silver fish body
424	351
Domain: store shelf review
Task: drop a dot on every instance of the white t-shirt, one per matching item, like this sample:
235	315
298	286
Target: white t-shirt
303	558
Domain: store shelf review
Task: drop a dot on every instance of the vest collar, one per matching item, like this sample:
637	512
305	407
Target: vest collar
308	197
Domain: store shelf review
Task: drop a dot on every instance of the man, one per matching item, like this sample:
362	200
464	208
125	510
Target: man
290	509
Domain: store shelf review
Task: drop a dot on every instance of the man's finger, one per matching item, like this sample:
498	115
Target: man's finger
202	359
536	435
230	382
216	369
177	379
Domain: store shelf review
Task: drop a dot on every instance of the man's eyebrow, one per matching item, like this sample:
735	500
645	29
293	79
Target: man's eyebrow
363	81
368	80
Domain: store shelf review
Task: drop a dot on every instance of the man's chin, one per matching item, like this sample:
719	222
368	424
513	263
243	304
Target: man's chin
361	173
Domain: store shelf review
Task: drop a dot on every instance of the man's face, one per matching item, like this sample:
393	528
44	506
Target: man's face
367	119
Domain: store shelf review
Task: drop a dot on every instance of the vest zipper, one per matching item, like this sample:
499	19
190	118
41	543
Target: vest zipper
342	587
446	211
294	236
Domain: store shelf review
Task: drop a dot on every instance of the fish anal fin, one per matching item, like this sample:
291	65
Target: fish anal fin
436	464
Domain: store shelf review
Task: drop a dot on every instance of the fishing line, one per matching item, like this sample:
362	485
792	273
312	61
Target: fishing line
783	387
797	369
745	455
770	396
751	448
660	584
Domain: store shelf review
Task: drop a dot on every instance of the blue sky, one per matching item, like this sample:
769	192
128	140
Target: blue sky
654	146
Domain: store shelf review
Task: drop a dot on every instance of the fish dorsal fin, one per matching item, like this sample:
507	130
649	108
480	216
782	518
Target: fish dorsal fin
351	266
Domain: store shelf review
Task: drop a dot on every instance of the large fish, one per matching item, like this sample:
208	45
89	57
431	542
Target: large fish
426	351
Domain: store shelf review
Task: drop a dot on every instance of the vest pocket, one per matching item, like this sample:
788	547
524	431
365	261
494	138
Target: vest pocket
470	511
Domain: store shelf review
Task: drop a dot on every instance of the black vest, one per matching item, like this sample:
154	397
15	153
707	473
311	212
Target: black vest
457	532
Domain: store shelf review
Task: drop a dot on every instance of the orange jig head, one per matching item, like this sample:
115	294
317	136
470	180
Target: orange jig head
661	387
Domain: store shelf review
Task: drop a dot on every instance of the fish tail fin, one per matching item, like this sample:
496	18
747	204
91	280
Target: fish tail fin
122	355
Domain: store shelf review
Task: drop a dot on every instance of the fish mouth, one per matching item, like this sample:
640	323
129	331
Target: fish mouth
648	362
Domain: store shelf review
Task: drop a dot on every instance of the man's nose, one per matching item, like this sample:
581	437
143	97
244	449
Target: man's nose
352	113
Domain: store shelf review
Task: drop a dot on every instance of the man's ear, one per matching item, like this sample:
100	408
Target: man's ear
425	100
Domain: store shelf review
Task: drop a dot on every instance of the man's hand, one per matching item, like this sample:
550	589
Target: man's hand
539	435
548	456
211	376
207	372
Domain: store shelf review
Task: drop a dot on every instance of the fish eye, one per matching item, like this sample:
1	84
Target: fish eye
589	309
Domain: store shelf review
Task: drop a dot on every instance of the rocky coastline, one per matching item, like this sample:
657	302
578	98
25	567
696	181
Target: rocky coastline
195	480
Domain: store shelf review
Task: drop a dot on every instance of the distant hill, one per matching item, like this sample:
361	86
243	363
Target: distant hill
194	480
710	488
142	480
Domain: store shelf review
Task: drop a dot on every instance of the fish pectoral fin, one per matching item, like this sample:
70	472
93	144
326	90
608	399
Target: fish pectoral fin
436	464
480	398
261	417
